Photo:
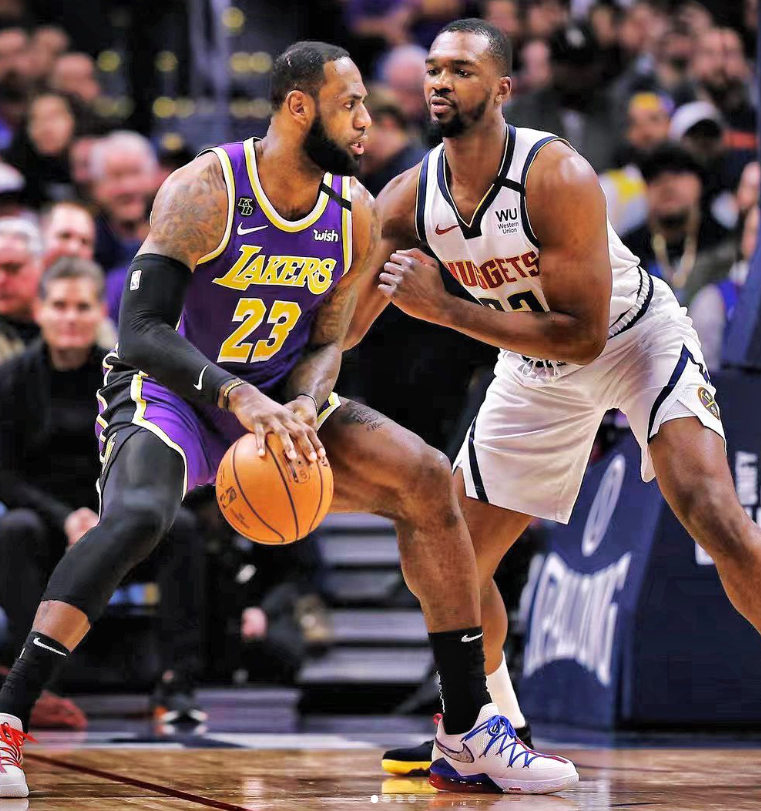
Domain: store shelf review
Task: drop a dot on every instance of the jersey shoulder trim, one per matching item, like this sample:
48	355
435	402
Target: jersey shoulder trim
346	223
530	157
229	176
420	195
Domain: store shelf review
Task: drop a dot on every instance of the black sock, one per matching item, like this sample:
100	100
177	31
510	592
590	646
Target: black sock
39	661
459	657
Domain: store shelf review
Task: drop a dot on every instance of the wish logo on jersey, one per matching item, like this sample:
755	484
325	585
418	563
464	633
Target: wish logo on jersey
254	267
495	272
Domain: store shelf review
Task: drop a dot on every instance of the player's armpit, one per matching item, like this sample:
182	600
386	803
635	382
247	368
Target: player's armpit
190	212
396	211
568	215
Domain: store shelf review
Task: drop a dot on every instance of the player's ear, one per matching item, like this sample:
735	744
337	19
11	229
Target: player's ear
504	90
300	106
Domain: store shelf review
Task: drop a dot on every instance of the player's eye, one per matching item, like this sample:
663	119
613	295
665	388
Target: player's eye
432	71
463	73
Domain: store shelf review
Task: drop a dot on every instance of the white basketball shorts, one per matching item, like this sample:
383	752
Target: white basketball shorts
529	446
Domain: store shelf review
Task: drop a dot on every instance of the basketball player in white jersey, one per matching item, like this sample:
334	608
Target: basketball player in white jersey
518	218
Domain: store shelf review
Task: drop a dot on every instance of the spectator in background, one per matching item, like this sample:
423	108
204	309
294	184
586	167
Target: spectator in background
699	128
41	150
403	71
47	43
172	159
750	187
506	16
20	271
573	105
712	307
80	161
378	25
14	44
75	74
124	168
48	469
68	229
535	71
677	230
391	148
722	75
544	18
647	126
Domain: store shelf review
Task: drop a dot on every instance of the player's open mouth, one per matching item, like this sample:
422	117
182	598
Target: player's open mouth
358	147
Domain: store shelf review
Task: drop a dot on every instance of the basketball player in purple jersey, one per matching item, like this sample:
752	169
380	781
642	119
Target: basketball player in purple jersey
233	319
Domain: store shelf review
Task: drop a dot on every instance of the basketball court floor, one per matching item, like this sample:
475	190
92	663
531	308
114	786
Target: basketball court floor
272	771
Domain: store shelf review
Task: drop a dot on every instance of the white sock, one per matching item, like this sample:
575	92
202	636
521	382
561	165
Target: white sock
501	690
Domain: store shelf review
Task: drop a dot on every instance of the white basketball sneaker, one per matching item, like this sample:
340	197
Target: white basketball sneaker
491	756
12	739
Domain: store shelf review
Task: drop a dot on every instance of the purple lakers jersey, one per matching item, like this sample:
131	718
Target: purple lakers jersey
252	301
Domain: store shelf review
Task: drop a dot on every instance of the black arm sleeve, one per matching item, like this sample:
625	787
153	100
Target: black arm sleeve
154	294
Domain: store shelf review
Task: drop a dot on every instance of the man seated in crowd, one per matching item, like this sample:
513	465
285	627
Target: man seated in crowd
21	252
712	308
48	469
124	172
68	229
678	229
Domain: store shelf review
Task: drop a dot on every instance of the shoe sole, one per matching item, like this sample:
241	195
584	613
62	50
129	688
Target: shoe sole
13	791
444	778
407	768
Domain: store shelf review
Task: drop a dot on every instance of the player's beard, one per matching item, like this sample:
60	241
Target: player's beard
326	153
459	122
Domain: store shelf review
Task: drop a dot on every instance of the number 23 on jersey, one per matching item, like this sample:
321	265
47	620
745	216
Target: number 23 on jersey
251	312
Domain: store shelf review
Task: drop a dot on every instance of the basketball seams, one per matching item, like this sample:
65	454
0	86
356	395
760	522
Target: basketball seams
245	497
285	485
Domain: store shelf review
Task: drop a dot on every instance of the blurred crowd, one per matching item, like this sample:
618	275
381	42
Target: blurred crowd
659	95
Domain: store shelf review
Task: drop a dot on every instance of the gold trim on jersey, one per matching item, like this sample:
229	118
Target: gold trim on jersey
488	191
346	224
334	403
269	210
227	171
136	393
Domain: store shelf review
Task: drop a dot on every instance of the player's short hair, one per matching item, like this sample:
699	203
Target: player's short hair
302	67
72	267
500	47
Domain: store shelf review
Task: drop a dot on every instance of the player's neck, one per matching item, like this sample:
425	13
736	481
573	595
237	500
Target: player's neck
474	158
289	179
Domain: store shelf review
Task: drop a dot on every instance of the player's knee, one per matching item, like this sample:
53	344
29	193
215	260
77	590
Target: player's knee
137	524
428	482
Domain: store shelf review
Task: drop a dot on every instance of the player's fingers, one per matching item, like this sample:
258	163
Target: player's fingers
388	278
395	268
301	434
315	440
259	435
387	289
285	437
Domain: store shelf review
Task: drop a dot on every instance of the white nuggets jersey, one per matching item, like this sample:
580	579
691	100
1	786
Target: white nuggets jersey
496	256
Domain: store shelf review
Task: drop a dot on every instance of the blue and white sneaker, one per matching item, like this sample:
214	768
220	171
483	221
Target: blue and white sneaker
491	757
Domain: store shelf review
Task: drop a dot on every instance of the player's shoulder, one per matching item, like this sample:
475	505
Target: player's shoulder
557	165
397	203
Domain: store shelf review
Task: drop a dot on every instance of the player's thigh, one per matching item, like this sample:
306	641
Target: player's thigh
691	467
492	529
380	467
142	475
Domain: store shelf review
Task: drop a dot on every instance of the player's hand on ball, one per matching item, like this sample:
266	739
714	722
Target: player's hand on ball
304	408
261	415
411	279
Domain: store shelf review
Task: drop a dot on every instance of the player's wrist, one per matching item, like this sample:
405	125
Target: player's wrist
231	393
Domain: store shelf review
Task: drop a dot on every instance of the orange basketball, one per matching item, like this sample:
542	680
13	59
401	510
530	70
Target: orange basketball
272	499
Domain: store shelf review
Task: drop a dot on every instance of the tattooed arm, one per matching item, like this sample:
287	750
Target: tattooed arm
317	371
189	219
